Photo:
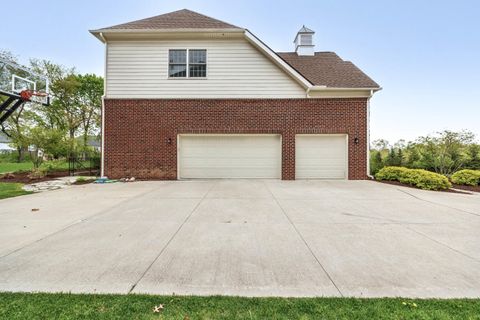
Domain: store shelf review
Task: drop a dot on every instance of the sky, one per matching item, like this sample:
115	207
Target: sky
424	54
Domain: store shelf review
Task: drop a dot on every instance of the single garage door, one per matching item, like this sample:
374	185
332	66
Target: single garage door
321	156
229	156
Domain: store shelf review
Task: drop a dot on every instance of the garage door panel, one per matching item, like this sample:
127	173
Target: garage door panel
321	157
229	156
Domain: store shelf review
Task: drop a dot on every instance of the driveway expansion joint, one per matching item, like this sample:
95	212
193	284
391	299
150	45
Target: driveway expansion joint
304	241
443	244
438	204
170	240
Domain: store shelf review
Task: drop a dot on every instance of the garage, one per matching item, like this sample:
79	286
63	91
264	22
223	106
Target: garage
321	156
204	156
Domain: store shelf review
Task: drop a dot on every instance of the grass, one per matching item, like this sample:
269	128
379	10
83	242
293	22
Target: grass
13	166
77	306
57	165
8	190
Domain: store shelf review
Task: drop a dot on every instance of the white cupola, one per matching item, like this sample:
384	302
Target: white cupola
304	42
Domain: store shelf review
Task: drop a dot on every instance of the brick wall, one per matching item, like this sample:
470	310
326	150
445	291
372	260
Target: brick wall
137	130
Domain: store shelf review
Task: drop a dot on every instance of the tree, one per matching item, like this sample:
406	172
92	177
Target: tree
380	144
413	157
43	141
473	155
444	152
54	115
15	126
376	161
90	94
400	158
391	159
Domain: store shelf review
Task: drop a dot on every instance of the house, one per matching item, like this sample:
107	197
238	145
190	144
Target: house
5	144
188	96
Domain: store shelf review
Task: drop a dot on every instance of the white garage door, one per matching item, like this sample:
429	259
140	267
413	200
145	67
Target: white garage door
321	157
229	156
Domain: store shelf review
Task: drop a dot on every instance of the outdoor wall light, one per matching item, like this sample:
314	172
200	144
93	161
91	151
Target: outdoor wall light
355	140
169	140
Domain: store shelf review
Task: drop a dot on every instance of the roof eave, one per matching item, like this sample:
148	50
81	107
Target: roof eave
168	30
99	33
325	88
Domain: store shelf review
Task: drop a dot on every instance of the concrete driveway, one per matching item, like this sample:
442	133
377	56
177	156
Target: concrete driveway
243	237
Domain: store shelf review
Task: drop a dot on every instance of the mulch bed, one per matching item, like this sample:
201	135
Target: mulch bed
396	183
468	188
79	183
23	177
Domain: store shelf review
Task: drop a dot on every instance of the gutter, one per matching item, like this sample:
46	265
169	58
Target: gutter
99	33
325	88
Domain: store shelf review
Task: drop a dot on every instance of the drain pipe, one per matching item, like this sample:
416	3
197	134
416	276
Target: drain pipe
368	136
102	162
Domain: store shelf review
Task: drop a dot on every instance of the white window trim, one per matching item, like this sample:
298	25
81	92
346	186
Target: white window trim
188	65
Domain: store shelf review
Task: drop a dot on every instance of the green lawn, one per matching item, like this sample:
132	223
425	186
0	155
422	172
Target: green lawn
70	306
27	166
13	166
8	190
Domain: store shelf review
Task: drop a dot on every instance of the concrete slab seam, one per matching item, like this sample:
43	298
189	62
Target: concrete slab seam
443	244
439	204
304	241
170	240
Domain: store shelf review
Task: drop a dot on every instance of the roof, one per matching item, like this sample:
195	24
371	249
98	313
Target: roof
181	19
328	69
322	69
305	30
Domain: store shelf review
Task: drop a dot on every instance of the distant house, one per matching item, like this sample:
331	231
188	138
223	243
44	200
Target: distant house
5	143
188	96
93	142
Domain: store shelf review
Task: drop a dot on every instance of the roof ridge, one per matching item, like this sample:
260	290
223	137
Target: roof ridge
156	19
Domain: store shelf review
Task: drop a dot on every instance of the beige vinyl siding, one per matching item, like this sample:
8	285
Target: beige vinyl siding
235	69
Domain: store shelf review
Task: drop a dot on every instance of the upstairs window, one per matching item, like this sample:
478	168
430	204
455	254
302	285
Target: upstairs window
177	63
191	63
197	63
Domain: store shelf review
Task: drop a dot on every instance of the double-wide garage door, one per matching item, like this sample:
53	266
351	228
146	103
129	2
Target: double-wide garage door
259	156
230	156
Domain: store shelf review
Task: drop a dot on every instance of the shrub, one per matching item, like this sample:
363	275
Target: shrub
37	173
419	178
466	177
390	173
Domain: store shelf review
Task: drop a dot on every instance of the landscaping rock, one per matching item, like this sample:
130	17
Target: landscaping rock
47	185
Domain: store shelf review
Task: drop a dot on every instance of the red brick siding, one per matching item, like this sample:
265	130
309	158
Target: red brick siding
137	130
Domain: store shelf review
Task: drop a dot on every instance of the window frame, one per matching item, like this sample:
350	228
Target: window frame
187	64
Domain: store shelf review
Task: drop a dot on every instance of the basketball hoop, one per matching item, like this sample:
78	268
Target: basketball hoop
16	90
28	94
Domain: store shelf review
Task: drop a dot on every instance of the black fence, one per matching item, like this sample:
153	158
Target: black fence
85	164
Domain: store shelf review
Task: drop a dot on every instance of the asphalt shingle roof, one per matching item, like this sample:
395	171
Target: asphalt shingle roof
181	19
328	69
323	69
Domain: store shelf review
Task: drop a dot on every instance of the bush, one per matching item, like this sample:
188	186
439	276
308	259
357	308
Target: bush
415	177
390	173
37	173
466	177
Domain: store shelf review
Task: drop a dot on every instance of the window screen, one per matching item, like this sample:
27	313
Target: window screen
197	63
177	63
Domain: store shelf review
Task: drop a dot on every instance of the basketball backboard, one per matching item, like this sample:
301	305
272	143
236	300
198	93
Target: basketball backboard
15	79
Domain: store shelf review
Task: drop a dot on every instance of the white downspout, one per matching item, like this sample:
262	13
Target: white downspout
102	165
368	136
